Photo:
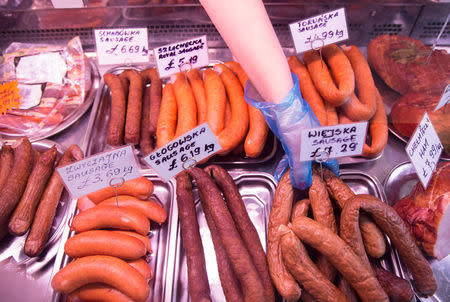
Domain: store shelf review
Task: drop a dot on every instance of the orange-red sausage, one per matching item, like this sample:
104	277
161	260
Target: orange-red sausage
167	121
216	99
198	89
142	267
139	187
378	128
97	292
186	106
144	239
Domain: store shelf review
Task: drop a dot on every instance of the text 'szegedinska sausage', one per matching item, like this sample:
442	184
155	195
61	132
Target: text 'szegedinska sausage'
116	126
241	261
392	224
192	243
244	225
23	215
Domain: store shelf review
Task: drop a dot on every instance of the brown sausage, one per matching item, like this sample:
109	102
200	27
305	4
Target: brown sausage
398	289
241	261
23	215
244	225
346	289
280	214
304	270
300	208
116	126
134	106
6	163
230	285
97	292
105	269
17	180
372	236
111	217
146	140
341	256
109	243
392	224
42	223
192	243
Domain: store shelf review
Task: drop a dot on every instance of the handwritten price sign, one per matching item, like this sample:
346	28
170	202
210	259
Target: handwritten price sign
188	54
336	141
424	149
188	149
96	172
319	30
122	45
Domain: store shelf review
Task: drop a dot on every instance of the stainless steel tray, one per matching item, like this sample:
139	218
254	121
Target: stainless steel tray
72	117
160	237
257	190
12	256
398	184
100	115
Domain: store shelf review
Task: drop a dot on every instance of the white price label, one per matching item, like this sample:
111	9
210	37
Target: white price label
99	171
445	99
67	3
122	45
334	141
320	30
424	149
184	151
184	55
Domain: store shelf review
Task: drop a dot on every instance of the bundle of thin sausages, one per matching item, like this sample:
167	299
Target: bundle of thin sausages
342	270
30	191
110	245
240	257
327	82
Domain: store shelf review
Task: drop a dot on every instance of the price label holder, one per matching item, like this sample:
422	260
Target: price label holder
100	171
181	153
67	3
445	99
320	30
182	56
424	149
9	96
122	45
333	141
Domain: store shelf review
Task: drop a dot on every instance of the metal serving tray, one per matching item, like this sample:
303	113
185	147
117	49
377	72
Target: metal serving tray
398	184
160	236
257	190
72	117
12	257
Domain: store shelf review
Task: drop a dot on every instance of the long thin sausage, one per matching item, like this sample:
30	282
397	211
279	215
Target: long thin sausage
186	106
43	220
23	215
216	99
280	214
192	243
116	125
167	121
378	128
146	140
244	225
104	269
6	163
241	261
198	89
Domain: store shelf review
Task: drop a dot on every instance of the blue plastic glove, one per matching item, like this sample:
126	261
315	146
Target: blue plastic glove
287	119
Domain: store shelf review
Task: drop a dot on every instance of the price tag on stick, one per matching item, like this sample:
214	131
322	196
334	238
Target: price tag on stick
333	141
180	56
181	153
122	45
424	149
99	171
320	30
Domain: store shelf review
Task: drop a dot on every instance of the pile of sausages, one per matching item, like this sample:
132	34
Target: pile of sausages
241	260
327	82
342	257
153	116
111	245
30	191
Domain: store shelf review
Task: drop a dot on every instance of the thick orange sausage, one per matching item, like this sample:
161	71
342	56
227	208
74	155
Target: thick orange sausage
116	125
134	106
198	89
308	90
142	267
139	187
144	239
107	217
23	215
104	269
109	243
151	209
186	106
6	163
167	120
378	128
235	131
216	99
43	220
97	292
332	116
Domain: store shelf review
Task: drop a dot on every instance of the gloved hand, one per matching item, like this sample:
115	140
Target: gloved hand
287	119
